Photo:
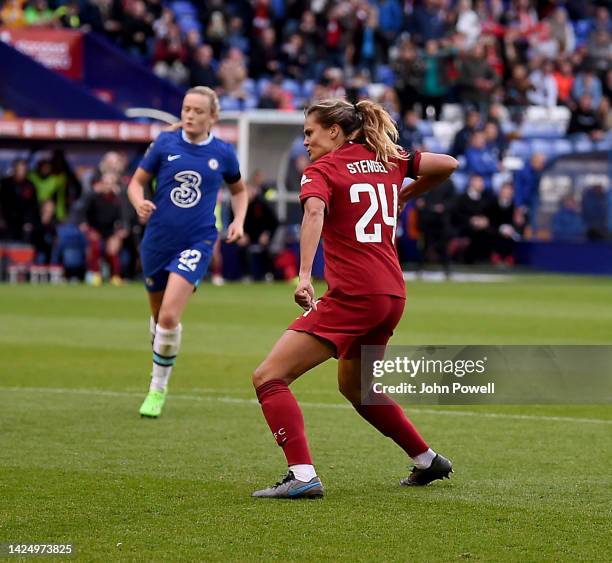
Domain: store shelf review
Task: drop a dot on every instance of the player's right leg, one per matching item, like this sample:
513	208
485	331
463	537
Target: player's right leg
294	354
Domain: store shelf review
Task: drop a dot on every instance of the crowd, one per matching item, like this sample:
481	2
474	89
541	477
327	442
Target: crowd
280	53
492	58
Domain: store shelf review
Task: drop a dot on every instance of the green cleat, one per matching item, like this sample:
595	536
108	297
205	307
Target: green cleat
153	404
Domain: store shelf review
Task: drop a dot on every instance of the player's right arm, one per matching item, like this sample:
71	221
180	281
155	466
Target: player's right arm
310	235
144	207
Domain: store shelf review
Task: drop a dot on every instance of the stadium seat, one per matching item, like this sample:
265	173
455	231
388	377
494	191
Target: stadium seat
582	143
385	75
562	146
425	128
452	113
522	149
460	179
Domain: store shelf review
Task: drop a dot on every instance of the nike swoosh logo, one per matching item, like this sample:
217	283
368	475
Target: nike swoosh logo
293	492
172	157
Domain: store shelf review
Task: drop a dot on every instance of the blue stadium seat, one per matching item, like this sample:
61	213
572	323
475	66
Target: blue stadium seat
460	179
291	86
582	143
182	8
425	127
520	149
543	146
385	75
563	146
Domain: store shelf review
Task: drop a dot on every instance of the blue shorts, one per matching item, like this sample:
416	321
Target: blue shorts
191	263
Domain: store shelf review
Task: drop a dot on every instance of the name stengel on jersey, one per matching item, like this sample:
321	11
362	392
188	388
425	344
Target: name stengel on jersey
366	167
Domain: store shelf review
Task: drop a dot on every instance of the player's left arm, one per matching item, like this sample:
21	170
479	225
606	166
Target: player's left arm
240	202
432	170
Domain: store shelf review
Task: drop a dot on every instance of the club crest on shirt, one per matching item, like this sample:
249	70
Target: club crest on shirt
188	193
213	164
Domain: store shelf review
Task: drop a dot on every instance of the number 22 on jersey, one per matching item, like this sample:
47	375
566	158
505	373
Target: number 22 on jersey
378	200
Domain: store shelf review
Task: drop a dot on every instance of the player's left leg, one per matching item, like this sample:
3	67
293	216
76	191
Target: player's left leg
166	340
390	420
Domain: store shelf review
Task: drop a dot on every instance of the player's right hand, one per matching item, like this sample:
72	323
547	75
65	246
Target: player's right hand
144	210
305	296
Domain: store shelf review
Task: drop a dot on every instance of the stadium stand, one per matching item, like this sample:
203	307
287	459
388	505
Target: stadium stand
541	72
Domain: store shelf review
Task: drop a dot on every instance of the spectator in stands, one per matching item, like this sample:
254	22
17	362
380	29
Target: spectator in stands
527	185
481	161
468	23
434	223
567	224
463	136
495	140
294	58
19	204
50	186
477	80
544	86
410	138
112	15
45	235
599	51
38	14
237	38
562	31
170	56
136	29
435	82
564	77
12	14
265	60
232	72
595	212
103	219
202	68
260	225
506	223
409	70
587	83
217	30
428	21
391	19
518	89
585	119
471	222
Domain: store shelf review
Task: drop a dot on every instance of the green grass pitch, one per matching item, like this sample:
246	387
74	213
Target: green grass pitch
78	465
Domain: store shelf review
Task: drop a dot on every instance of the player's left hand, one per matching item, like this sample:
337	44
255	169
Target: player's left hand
234	232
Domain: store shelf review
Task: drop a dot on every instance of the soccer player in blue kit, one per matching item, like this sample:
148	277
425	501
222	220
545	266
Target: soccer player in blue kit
190	164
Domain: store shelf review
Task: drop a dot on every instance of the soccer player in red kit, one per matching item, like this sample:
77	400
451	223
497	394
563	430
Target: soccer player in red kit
351	194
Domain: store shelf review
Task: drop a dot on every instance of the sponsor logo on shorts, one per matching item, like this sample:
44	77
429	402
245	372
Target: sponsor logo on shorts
149	282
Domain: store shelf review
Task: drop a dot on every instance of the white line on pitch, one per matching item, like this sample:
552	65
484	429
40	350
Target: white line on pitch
239	401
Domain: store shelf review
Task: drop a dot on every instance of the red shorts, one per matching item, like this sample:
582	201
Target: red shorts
351	321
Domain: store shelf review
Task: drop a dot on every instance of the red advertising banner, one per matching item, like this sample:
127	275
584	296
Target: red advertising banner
57	49
80	130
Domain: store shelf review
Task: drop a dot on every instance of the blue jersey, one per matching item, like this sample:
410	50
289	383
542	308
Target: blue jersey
188	179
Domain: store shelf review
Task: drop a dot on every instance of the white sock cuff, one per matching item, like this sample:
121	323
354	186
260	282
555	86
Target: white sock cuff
167	340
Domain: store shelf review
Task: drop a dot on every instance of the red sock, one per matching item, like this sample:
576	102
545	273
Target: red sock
285	419
93	256
115	264
389	419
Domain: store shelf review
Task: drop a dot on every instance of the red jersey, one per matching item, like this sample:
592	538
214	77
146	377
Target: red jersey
361	198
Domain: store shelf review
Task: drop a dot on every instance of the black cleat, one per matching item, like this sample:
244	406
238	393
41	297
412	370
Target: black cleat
439	469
